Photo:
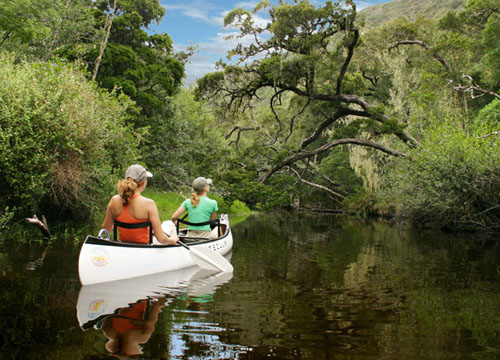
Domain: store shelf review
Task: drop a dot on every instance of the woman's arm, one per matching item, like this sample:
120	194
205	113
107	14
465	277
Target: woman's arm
108	220
178	213
215	209
154	218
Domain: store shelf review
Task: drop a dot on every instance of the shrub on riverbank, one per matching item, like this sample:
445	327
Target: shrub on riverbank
453	180
61	138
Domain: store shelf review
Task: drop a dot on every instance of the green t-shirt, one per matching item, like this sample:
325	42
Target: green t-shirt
201	212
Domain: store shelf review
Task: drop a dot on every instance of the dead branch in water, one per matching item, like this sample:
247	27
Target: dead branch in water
41	224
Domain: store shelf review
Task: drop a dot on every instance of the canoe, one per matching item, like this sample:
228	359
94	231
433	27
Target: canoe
104	260
97	301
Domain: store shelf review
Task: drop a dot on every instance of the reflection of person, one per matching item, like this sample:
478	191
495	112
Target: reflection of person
200	209
131	327
129	206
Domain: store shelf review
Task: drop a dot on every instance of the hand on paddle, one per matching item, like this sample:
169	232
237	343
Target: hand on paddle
170	231
173	239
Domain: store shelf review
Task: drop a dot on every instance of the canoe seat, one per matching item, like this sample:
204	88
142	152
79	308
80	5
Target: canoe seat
212	223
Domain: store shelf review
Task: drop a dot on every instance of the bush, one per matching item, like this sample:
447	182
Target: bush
452	181
61	138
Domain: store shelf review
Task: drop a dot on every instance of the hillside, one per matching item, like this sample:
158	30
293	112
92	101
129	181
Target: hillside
378	14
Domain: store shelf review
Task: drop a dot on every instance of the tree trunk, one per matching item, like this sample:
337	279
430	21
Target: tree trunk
107	29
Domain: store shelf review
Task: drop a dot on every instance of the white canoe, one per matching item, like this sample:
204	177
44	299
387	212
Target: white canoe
100	300
103	260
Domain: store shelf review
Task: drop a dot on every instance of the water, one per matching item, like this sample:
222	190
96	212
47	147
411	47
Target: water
304	287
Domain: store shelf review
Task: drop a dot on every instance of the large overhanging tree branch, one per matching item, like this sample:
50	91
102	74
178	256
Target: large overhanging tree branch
308	154
336	195
472	87
304	52
439	58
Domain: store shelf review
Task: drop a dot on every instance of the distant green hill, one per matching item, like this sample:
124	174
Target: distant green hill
378	14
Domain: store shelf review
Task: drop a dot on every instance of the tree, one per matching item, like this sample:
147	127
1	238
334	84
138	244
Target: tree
302	62
450	95
143	66
23	20
41	30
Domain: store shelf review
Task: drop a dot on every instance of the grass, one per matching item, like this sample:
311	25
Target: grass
167	202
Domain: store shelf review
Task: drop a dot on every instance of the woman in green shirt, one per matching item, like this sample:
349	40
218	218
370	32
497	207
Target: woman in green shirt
200	209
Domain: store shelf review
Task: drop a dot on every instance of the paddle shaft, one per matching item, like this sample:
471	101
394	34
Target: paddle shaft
183	245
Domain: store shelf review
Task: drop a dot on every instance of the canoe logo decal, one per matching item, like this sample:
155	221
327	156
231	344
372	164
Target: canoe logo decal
99	257
96	308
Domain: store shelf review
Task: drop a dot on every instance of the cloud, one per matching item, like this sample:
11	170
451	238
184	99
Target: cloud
247	4
209	52
196	10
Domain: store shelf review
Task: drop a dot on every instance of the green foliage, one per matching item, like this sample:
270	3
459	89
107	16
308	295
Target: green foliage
237	207
167	202
141	65
491	45
23	19
276	194
5	218
186	146
453	181
60	138
42	29
488	119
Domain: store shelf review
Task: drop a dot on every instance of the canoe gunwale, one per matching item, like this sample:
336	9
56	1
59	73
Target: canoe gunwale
94	240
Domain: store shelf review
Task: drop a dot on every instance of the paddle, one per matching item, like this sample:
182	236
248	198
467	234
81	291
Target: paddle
204	257
208	259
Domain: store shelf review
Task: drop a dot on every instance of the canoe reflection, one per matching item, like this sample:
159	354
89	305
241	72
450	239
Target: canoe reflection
131	327
126	311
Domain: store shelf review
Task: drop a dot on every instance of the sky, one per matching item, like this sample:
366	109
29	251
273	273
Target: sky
201	23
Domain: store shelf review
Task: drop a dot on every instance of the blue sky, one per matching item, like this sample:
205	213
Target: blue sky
200	22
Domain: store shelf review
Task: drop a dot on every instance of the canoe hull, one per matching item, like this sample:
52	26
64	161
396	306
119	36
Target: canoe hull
104	260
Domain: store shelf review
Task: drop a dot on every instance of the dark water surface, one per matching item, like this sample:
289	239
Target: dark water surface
304	287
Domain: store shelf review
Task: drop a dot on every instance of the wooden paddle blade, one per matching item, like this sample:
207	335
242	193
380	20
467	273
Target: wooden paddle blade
208	259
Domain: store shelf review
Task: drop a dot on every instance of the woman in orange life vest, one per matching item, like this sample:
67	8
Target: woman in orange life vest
129	206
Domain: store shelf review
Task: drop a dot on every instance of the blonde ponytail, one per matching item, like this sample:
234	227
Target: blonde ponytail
195	199
126	189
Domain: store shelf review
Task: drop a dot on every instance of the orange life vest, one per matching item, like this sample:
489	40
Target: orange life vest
140	235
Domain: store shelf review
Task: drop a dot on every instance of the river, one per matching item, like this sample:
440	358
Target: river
303	287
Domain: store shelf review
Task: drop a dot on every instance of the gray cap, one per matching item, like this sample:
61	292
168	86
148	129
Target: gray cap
200	183
137	172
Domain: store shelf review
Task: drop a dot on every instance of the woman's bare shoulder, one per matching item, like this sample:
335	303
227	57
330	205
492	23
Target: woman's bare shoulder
116	201
147	201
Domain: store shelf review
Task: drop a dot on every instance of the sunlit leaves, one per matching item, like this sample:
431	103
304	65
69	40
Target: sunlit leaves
60	138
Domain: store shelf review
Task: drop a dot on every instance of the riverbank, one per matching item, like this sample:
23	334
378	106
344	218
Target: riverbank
166	201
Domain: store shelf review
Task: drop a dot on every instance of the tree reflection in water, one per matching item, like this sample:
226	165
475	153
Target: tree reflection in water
309	287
